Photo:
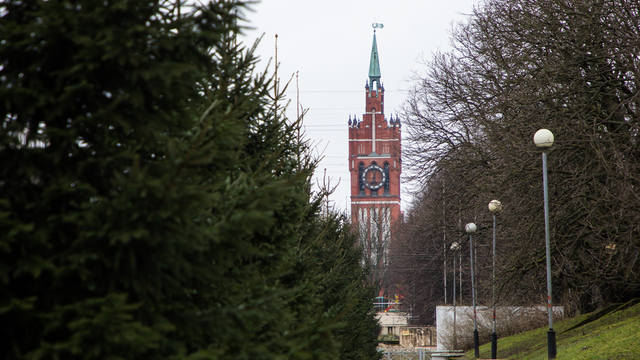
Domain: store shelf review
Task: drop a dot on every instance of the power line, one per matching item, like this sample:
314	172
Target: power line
348	91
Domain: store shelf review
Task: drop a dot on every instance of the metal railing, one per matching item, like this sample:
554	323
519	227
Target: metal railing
405	354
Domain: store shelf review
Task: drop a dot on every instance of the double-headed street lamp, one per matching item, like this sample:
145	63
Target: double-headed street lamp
471	229
544	138
494	206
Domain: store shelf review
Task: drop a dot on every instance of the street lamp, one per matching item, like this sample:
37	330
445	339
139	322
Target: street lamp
471	229
494	206
454	247
544	138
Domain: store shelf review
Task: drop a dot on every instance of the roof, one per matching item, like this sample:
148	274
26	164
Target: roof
374	63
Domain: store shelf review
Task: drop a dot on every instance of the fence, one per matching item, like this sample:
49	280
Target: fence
406	354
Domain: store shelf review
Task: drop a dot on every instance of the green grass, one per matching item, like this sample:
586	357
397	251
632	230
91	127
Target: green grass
615	335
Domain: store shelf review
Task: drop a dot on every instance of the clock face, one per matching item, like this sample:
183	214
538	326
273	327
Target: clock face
373	177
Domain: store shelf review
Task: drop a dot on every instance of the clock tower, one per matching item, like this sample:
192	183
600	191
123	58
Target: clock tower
375	167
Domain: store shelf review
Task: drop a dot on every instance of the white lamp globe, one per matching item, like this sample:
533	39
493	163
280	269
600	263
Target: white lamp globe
470	228
495	206
543	138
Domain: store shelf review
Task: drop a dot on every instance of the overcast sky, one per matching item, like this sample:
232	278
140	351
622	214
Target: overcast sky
328	44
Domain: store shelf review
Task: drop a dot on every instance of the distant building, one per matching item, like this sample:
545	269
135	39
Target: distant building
391	323
375	167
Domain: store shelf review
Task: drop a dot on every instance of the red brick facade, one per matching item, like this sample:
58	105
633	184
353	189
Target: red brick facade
375	140
375	167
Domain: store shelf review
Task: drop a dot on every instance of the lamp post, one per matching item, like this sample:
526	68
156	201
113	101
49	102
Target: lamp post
454	247
471	229
494	206
544	138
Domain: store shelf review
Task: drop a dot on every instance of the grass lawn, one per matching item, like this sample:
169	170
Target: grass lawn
613	333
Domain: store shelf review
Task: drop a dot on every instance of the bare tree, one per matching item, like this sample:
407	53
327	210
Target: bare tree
373	225
518	66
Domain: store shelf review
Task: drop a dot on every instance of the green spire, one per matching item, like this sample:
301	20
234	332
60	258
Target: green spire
374	64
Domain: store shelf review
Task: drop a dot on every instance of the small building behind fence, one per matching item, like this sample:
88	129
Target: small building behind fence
395	325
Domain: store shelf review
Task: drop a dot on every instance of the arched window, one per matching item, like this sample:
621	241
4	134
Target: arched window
386	176
360	179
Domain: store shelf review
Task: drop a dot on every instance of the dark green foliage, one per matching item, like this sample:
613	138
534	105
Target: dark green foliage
154	203
339	293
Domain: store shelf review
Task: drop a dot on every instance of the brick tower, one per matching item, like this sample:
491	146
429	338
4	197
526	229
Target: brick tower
375	167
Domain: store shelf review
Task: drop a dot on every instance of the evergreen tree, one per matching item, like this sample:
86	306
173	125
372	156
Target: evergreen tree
101	241
339	297
154	202
345	290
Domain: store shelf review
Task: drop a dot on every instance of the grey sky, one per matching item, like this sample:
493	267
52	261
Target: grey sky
328	43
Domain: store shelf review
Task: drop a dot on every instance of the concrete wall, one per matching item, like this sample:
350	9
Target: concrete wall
507	320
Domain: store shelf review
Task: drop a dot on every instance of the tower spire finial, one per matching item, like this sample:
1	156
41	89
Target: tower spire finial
374	63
